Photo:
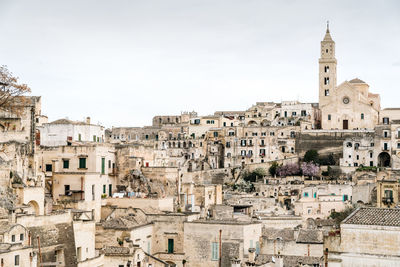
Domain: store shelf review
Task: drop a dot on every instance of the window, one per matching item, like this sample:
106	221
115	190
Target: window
370	154
224	124
94	138
228	144
82	163
103	165
326	92
80	137
21	237
243	142
385	146
16	260
243	153
104	188
13	238
49	167
326	69
362	116
215	251
170	246
93	193
303	113
109	164
294	113
329	117
398	145
110	190
79	253
306	194
66	163
386	120
385	134
372	144
215	134
326	80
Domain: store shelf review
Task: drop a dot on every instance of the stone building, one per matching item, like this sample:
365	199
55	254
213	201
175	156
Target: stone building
349	105
63	132
367	237
79	176
203	238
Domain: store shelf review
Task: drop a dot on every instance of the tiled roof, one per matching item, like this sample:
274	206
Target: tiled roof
286	234
310	236
111	250
289	261
356	80
125	222
374	216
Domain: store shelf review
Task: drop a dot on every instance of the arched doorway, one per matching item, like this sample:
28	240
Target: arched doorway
33	207
384	159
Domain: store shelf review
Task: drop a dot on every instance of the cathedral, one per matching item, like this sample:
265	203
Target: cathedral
348	106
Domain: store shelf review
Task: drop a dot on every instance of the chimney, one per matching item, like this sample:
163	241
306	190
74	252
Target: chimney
235	263
87	120
279	261
252	255
11	217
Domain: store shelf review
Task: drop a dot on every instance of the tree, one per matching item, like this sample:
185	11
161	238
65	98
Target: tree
260	172
309	169
252	176
311	156
272	169
288	169
11	91
340	216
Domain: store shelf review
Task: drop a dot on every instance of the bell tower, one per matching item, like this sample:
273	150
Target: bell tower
327	69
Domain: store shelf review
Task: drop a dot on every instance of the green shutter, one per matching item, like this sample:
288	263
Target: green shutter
103	165
65	164
215	251
82	163
170	246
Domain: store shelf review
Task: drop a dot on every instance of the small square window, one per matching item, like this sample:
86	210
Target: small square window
49	167
66	163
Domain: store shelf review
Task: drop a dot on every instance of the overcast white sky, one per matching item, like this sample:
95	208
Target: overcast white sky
123	62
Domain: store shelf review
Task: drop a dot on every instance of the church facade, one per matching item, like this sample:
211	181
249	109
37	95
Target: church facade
348	106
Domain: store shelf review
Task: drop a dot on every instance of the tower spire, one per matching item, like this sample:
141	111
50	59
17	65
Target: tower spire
327	26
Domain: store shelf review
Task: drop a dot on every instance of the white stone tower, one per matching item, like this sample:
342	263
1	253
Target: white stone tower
327	69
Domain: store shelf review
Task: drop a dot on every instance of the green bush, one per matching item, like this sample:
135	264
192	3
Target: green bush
367	169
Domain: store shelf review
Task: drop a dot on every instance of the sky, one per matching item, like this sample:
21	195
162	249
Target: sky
122	62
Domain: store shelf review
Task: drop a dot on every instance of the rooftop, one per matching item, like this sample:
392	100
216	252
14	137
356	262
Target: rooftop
356	80
374	216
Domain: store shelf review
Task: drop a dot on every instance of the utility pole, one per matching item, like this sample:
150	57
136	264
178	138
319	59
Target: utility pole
220	249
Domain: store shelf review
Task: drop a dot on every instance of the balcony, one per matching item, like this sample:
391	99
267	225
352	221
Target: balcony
113	172
387	200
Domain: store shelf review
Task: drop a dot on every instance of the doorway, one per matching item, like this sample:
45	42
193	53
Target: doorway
345	124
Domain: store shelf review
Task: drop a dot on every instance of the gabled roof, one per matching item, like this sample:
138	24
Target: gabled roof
310	236
374	216
124	223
